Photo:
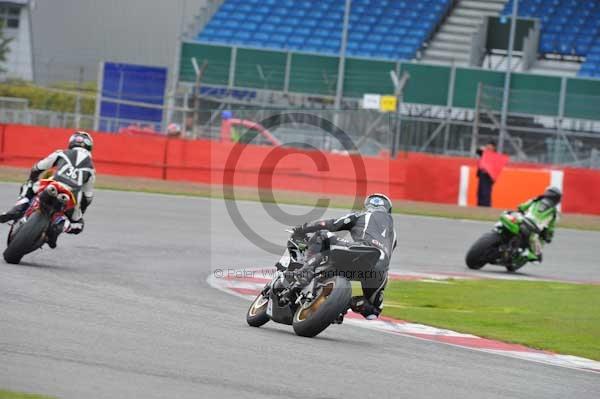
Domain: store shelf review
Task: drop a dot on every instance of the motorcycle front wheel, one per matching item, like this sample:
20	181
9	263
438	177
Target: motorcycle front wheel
27	239
333	299
257	313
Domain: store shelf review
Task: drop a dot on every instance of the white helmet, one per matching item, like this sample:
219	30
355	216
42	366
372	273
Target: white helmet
81	139
378	200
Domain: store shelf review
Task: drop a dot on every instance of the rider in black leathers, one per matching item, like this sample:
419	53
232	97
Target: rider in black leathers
372	227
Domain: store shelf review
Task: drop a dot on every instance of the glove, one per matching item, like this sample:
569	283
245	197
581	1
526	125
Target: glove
27	190
298	232
76	226
547	236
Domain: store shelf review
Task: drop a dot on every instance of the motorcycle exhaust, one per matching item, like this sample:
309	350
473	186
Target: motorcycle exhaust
63	198
52	191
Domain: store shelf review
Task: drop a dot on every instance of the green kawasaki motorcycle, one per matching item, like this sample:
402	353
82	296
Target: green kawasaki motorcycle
509	242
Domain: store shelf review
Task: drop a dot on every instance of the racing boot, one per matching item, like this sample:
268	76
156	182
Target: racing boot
340	318
534	252
363	307
54	231
529	255
16	212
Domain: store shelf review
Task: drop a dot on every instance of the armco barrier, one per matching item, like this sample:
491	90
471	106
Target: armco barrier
412	176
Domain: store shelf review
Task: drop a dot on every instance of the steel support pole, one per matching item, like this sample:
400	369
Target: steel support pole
505	97
78	99
339	92
475	133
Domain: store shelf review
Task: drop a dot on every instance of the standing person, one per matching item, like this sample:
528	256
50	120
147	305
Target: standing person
485	180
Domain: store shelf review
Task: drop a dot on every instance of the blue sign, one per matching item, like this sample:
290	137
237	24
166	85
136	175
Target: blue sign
127	84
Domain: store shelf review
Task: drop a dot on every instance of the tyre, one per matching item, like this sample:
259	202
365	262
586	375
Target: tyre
257	313
315	316
484	250
27	239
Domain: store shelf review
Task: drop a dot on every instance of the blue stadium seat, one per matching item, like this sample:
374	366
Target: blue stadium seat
569	27
389	29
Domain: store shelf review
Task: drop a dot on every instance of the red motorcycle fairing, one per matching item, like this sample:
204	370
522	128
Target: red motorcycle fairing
60	189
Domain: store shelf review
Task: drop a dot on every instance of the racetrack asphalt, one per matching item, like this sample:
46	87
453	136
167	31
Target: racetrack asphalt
124	311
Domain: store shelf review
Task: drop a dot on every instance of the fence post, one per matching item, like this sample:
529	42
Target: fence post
398	91
199	71
562	99
288	68
506	94
232	65
339	89
475	134
449	103
78	99
99	95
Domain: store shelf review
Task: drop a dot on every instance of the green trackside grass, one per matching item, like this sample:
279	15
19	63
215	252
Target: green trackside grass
560	317
17	395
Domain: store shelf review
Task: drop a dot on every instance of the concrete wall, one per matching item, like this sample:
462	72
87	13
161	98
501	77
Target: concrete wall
19	63
69	34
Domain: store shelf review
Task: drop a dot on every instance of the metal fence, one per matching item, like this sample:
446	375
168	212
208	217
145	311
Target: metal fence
64	119
370	132
254	70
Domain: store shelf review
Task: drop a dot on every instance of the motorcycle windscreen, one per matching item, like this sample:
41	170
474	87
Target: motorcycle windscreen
354	261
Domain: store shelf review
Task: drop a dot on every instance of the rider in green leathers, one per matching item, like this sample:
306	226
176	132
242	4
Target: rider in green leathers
542	211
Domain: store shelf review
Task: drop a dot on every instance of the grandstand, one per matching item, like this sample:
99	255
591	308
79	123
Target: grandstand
430	31
385	29
452	43
570	28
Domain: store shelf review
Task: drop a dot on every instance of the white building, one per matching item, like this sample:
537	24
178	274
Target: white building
15	17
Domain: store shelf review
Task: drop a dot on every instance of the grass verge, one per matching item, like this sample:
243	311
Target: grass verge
559	317
18	395
573	221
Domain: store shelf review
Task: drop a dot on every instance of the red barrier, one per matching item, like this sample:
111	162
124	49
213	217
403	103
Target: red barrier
581	191
434	178
2	127
412	176
280	168
124	155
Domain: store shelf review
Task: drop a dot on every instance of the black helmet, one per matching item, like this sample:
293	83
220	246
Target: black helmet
81	139
553	195
378	201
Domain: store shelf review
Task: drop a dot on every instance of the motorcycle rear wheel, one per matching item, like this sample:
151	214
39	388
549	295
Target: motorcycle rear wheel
483	250
315	316
27	239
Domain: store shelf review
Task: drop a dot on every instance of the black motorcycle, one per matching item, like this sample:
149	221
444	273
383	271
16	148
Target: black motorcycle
311	306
